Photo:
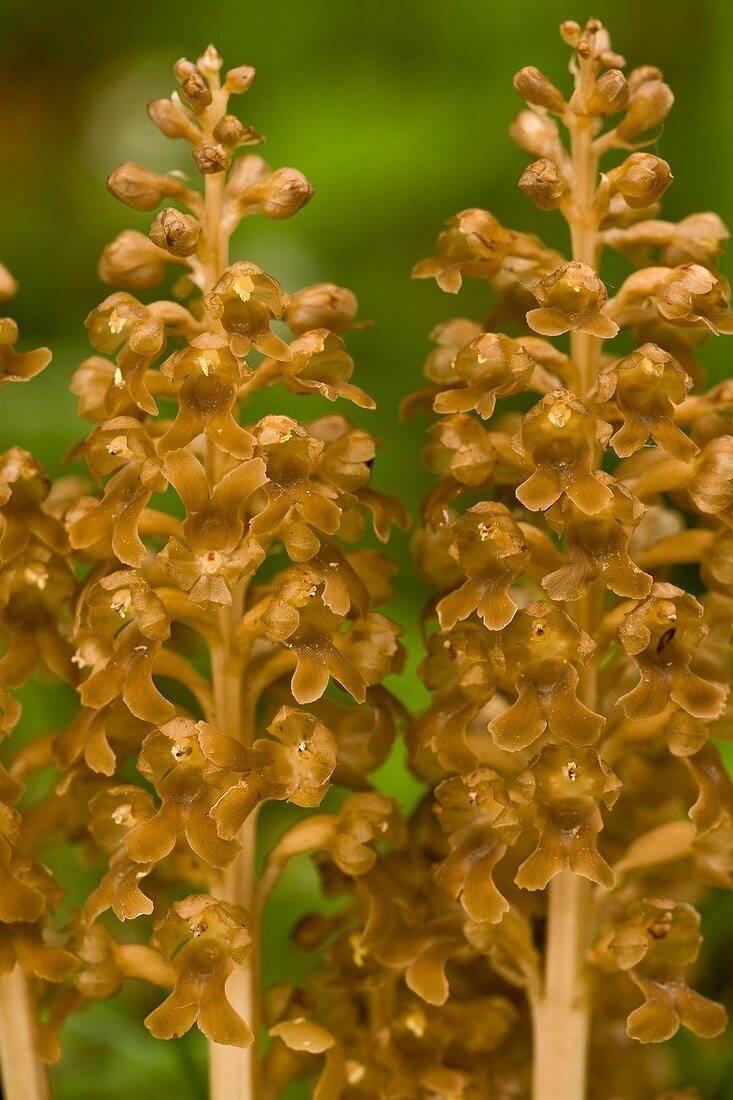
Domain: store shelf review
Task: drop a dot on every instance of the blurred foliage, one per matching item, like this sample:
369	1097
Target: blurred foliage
397	111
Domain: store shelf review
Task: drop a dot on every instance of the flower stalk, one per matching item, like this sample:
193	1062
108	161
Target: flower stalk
562	1011
562	672
24	1076
144	590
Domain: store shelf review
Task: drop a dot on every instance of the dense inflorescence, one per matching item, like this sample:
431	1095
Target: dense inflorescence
208	597
578	643
576	684
201	595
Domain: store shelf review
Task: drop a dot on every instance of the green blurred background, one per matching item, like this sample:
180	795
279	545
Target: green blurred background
397	111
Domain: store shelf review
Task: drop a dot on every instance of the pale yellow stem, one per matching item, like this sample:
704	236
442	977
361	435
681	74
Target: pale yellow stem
561	1010
234	1072
24	1076
562	1013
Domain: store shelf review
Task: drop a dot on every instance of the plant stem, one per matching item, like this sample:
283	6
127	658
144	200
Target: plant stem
234	1072
562	1010
24	1077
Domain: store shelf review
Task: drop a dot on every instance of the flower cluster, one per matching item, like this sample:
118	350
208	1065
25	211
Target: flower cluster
37	592
575	685
202	588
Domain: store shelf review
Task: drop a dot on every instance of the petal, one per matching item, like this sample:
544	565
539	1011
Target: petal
548	322
541	489
173	1018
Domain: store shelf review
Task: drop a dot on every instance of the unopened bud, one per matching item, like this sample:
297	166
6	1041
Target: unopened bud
132	261
650	105
196	91
183	68
175	232
8	285
210	158
536	134
284	193
570	32
535	87
229	131
210	61
240	79
323	305
610	95
246	173
641	75
642	179
542	183
172	121
142	189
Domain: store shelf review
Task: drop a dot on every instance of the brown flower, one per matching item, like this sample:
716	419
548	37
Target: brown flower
115	812
24	506
295	764
18	366
646	386
207	377
246	301
172	760
490	366
296	616
480	821
364	818
492	552
123	449
571	298
204	939
559	438
695	239
597	546
692	295
656	944
26	937
565	783
212	554
538	652
662	634
475	246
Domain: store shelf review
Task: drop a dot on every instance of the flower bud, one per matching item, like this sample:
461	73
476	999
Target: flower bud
610	95
323	305
229	131
142	189
172	121
284	193
649	106
175	232
183	68
642	179
570	32
240	79
196	91
247	172
210	158
8	285
210	61
534	86
536	134
132	261
542	183
640	75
